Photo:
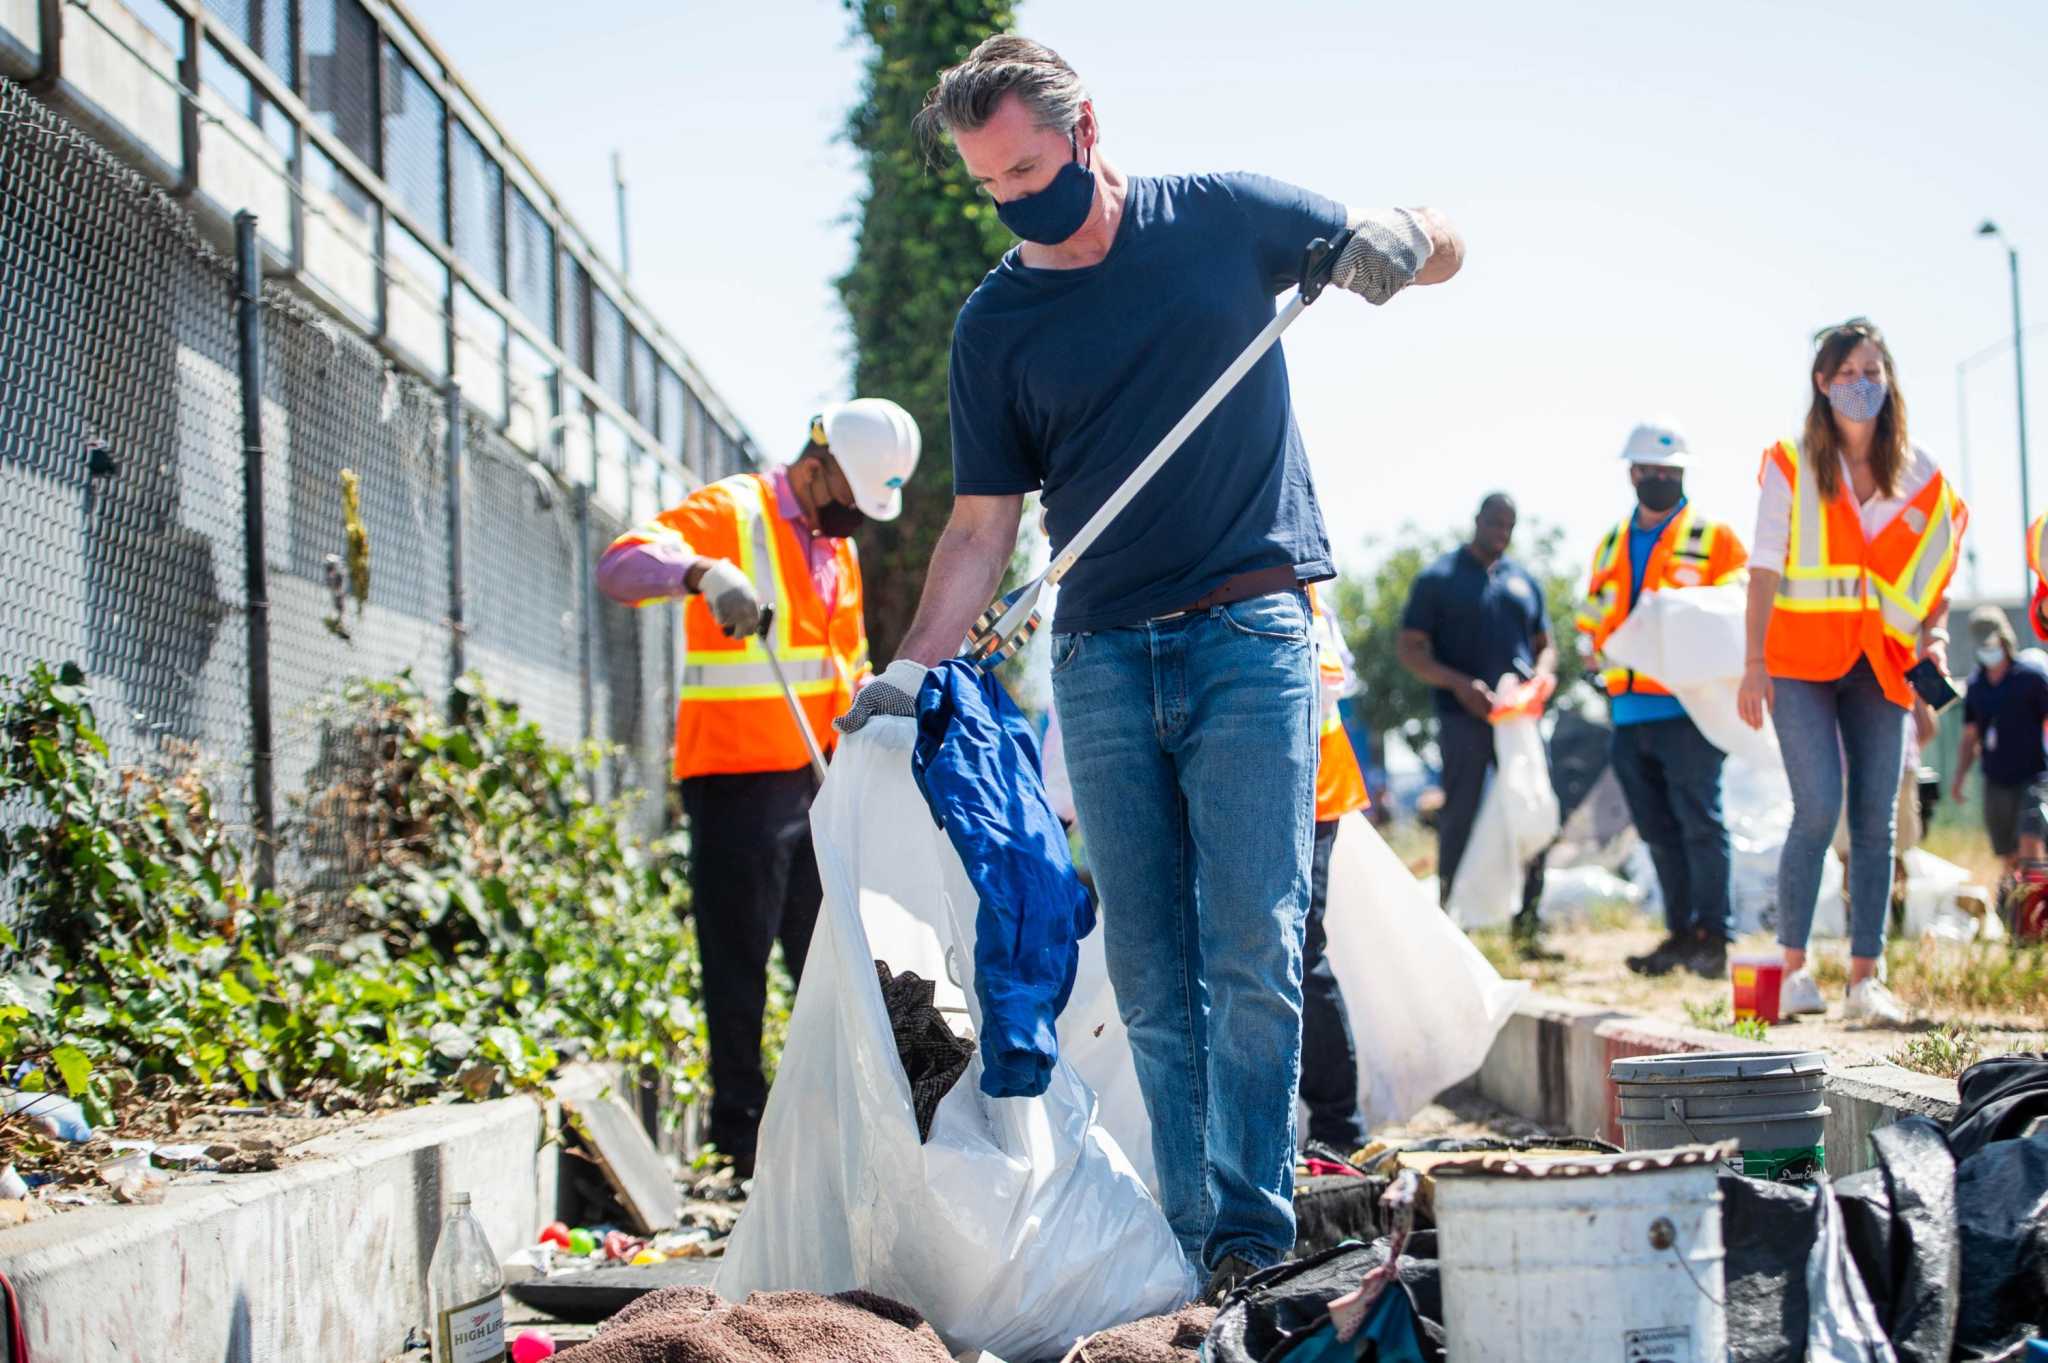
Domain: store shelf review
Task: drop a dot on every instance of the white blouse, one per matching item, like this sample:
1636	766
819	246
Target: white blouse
1774	508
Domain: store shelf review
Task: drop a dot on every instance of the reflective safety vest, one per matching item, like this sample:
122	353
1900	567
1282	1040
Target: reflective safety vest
1340	784
1691	551
731	716
2037	553
1842	597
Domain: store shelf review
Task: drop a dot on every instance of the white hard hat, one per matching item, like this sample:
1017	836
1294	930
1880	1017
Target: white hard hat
876	444
1657	442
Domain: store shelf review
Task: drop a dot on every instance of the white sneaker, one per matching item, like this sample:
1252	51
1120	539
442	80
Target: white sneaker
1870	1001
1799	994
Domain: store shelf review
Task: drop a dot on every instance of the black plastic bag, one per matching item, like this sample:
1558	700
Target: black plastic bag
2002	1220
1899	1219
1768	1228
2000	1096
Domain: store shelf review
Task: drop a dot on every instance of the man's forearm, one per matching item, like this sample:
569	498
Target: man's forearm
1422	664
967	567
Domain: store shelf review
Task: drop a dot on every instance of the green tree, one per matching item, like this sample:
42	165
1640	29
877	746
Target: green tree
925	238
1370	608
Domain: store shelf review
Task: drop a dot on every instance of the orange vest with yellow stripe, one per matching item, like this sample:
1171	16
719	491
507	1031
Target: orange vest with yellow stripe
1691	551
1840	597
731	716
1340	784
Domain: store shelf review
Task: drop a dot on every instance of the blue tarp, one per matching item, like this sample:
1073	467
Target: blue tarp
977	764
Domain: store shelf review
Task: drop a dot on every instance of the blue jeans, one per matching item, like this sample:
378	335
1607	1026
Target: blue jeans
1671	778
1191	744
1822	727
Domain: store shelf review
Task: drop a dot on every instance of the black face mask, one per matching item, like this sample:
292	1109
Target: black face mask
838	521
1660	494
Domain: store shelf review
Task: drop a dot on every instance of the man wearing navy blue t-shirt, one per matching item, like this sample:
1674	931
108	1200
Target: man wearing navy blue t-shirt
1182	662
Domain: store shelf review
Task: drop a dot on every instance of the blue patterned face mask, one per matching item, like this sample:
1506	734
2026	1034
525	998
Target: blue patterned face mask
1857	399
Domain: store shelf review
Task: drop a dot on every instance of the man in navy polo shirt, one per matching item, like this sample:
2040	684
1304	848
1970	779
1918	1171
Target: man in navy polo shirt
1182	662
1473	617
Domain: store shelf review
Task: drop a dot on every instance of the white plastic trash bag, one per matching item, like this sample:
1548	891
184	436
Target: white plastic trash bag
1691	640
1020	1225
1424	1005
1518	814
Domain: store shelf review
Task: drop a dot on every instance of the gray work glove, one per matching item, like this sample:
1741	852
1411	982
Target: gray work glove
731	597
892	693
1387	248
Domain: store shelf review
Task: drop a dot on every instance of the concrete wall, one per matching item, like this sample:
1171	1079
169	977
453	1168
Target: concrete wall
1550	1064
326	1259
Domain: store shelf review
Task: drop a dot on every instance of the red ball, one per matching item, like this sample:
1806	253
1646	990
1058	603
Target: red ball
554	1233
530	1346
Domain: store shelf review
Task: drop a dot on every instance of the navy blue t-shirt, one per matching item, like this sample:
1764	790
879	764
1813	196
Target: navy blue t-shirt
1065	380
2009	714
1479	620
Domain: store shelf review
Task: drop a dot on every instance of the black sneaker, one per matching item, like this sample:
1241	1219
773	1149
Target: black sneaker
1234	1269
1708	959
1662	959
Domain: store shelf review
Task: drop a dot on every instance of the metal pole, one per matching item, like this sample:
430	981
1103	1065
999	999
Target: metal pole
255	567
619	189
2019	388
583	610
452	399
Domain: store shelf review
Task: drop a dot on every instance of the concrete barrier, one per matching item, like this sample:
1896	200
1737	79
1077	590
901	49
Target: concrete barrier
1550	1064
326	1258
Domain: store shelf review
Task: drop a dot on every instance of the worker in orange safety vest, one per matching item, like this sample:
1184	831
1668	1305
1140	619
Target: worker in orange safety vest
1670	775
731	551
1329	1055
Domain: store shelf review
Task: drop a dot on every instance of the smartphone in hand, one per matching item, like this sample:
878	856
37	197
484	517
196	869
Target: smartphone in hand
1932	685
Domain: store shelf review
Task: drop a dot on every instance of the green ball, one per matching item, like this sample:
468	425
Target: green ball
581	1242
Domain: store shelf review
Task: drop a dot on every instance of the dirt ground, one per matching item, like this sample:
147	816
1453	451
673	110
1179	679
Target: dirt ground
1594	973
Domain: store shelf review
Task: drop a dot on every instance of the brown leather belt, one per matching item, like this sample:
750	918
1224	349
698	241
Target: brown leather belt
1242	587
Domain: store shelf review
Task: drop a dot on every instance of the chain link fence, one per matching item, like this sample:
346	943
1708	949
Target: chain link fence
122	506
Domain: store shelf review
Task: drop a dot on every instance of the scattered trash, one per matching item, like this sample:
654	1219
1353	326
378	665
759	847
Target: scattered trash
1574	892
528	1263
55	1114
582	1243
12	1186
133	1179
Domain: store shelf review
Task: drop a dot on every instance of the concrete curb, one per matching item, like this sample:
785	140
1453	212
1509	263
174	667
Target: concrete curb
1550	1064
326	1258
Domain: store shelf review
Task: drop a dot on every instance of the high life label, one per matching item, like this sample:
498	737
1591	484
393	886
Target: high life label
472	1334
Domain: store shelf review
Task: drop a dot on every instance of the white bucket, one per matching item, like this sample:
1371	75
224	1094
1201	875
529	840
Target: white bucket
1617	1256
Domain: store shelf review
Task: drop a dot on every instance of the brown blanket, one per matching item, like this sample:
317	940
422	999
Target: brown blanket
694	1325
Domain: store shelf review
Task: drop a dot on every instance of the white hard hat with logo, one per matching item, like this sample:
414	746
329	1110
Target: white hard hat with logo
1657	442
876	444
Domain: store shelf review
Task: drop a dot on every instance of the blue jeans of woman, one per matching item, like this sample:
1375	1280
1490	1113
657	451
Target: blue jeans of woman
1191	744
1825	729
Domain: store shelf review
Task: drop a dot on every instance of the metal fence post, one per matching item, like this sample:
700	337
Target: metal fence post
452	398
585	613
255	567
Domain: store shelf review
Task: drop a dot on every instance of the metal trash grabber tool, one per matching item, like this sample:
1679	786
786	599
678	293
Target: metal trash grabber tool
796	711
991	642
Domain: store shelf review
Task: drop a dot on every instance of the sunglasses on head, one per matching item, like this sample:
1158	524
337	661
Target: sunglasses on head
1861	327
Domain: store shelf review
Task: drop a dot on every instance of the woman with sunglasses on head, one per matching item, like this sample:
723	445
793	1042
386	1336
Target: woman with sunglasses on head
1857	537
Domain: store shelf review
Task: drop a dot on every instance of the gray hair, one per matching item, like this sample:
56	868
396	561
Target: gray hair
967	94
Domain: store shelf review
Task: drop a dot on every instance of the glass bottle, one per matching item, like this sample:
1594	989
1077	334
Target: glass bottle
466	1291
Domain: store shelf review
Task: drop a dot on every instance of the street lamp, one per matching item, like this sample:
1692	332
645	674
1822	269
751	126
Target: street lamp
2012	260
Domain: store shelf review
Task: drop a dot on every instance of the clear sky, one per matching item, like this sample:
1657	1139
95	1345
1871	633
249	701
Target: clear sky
1661	204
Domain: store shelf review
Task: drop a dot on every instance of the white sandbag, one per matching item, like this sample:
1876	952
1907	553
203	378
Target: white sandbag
1020	1224
1517	819
1424	1005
